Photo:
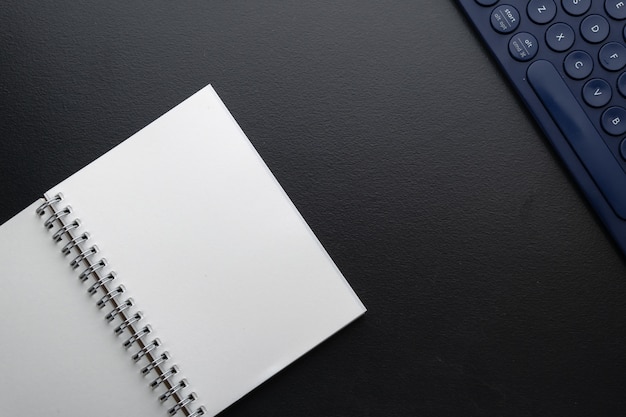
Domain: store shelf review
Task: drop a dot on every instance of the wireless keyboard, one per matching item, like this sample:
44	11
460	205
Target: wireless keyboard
567	61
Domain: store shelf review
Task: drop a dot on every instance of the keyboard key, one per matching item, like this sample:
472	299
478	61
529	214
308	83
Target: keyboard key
612	56
560	37
486	2
505	18
594	28
614	121
523	46
621	84
576	7
541	11
578	65
622	149
597	92
616	9
578	130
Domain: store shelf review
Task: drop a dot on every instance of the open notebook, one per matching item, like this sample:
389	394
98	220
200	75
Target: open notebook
227	283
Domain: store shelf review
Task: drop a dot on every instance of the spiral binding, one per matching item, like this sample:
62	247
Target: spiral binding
127	322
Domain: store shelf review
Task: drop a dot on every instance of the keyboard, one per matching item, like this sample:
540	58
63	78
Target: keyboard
566	59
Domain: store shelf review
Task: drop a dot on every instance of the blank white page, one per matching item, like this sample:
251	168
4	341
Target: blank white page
211	249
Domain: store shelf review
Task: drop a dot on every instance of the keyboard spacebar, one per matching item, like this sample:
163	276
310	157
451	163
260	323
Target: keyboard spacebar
580	133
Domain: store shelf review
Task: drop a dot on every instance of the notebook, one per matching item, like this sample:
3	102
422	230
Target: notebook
171	276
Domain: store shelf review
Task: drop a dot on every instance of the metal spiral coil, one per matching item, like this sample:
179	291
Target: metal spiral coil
158	361
58	235
100	282
120	329
66	231
167	394
91	269
145	351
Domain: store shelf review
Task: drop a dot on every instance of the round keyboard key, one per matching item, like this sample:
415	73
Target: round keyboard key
505	18
578	65
486	2
541	11
616	9
621	84
612	56
576	7
523	46
597	92
560	37
594	28
614	121
622	149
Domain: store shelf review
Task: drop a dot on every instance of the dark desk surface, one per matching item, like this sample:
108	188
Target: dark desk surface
492	289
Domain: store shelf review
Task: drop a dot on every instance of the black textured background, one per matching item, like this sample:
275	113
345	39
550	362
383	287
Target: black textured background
491	287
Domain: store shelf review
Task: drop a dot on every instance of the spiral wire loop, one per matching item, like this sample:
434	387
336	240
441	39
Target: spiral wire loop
149	367
77	240
135	337
58	235
100	282
83	256
117	311
179	405
67	232
167	394
91	269
164	376
123	325
57	215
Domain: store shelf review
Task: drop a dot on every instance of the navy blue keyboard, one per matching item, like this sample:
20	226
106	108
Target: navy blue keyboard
567	61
